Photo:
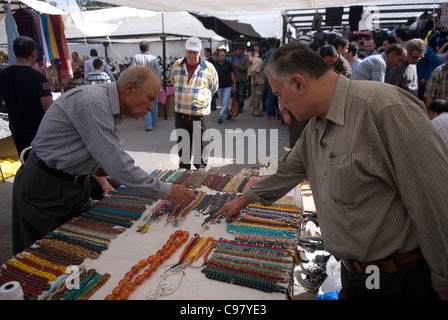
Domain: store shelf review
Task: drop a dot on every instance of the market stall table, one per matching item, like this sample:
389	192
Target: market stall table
146	232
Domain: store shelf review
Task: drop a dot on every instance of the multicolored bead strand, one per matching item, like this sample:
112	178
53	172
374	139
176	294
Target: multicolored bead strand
250	264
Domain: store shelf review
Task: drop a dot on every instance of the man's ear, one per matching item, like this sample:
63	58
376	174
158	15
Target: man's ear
130	85
299	82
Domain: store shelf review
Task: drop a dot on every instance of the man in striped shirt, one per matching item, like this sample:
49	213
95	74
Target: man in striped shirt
97	76
77	137
88	65
375	67
195	82
378	172
144	58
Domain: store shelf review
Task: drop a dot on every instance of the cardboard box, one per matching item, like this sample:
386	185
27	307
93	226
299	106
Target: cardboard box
8	149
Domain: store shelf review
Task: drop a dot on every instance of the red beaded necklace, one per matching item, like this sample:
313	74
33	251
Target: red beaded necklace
125	286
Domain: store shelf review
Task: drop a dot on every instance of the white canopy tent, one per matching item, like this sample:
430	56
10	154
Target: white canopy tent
148	16
135	25
148	19
228	5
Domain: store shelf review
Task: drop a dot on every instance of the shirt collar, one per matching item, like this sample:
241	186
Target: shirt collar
336	112
201	62
112	90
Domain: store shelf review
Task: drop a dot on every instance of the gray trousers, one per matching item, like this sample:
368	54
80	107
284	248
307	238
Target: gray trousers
41	202
256	97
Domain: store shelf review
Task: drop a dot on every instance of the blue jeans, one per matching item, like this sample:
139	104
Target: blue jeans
271	106
224	97
151	117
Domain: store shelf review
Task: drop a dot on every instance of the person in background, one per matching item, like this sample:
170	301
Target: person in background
335	60
195	82
97	76
272	100
402	36
88	65
426	65
352	56
25	92
227	84
441	53
355	153
405	75
257	78
77	138
387	42
375	67
209	57
252	54
241	63
437	85
145	58
77	65
341	44
369	47
438	114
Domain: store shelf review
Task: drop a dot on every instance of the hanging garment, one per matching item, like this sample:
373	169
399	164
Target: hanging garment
65	66
26	27
51	39
45	62
366	21
43	18
333	16
11	32
317	21
354	17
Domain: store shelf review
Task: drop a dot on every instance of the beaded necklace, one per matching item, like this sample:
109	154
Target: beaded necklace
126	285
193	251
84	236
174	212
251	264
268	223
212	180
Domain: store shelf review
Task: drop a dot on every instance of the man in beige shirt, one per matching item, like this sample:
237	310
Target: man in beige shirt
378	172
257	83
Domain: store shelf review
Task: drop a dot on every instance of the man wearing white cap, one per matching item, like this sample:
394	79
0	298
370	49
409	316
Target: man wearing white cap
195	82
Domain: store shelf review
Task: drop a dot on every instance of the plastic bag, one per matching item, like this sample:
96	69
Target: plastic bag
333	280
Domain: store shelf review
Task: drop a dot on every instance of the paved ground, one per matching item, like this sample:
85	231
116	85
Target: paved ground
152	149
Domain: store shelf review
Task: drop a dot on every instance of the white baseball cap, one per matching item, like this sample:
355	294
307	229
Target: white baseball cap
193	44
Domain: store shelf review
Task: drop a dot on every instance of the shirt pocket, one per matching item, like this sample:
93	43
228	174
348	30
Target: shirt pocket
344	179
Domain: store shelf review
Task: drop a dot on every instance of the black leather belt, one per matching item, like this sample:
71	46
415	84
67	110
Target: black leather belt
189	116
57	173
388	265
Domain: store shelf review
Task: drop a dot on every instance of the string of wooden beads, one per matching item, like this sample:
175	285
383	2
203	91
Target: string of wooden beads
126	285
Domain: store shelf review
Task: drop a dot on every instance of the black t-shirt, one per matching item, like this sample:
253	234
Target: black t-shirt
224	70
22	87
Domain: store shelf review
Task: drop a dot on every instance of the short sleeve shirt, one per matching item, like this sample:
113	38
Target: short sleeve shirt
22	87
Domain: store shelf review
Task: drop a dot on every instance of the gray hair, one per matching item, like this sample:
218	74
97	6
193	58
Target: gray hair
138	74
296	58
416	44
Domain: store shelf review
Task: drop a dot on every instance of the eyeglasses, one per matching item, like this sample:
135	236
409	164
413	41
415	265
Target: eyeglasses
416	58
